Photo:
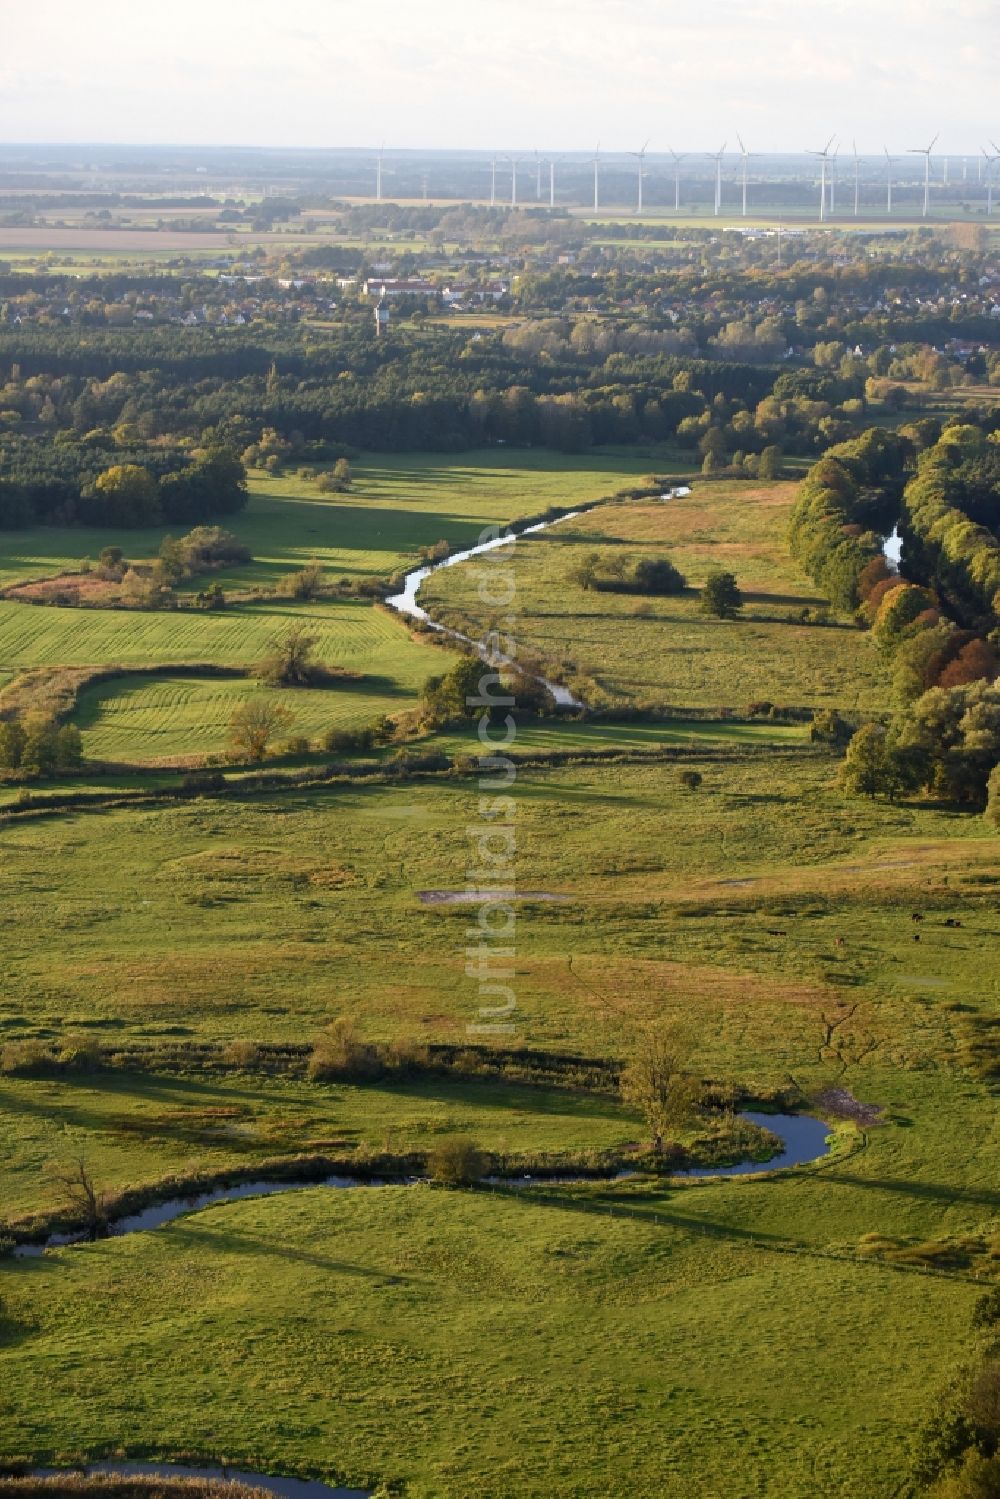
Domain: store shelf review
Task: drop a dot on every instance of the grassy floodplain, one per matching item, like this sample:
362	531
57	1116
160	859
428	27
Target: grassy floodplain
733	1339
709	1303
664	650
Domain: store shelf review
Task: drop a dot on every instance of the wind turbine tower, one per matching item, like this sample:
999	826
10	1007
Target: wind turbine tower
677	177
717	158
833	181
746	157
515	162
493	181
597	178
991	162
857	180
925	152
641	159
378	173
889	160
552	180
824	158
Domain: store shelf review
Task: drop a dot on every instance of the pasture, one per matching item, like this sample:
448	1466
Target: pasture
641	649
395	507
448	1342
263	916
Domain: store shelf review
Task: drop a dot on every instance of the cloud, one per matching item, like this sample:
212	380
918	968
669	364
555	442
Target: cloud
555	72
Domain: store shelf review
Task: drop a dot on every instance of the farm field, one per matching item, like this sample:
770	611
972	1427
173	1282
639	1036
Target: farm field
396	508
663	650
144	720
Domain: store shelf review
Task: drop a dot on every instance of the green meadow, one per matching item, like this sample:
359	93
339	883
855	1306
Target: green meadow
476	1344
781	1336
649	650
395	508
396	505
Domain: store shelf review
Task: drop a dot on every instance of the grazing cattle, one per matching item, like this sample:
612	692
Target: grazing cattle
916	936
841	942
772	933
916	916
952	922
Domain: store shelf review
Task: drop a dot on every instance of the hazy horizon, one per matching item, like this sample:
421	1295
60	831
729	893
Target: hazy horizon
507	75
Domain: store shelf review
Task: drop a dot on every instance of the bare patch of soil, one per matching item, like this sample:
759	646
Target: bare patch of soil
840	1103
479	897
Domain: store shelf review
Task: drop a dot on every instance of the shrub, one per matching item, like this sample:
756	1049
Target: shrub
348	741
290	663
241	1054
658	575
298	745
79	1051
456	1162
305	584
689	779
338	1052
24	1057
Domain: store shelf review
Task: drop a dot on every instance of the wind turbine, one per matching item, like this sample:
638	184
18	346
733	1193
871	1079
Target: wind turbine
746	157
641	158
889	162
378	173
538	176
677	177
857	180
717	156
493	181
597	186
552	180
925	152
515	162
824	157
991	162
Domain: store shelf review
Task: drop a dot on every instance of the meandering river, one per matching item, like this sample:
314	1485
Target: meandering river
803	1139
405	602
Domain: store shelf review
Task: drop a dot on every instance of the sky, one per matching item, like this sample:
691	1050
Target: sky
559	75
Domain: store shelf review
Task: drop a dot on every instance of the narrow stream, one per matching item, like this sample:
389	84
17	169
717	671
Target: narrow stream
803	1139
892	549
286	1488
405	602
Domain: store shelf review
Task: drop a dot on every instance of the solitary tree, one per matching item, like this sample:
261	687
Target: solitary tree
253	726
289	662
79	1195
305	584
656	1082
720	596
584	574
